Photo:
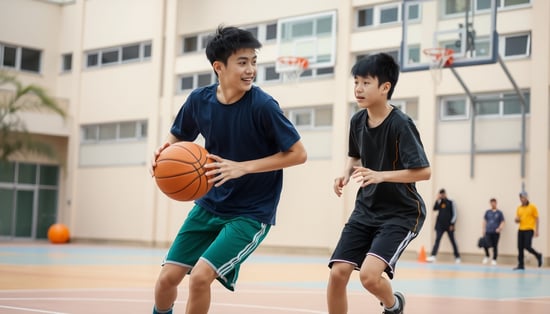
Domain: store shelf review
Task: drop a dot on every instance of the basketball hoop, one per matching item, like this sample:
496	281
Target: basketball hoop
291	67
441	57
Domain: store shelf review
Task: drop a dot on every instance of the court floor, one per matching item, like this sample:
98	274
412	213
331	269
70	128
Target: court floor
84	278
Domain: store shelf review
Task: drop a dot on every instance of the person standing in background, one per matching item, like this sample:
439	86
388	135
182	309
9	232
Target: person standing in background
445	222
493	223
527	216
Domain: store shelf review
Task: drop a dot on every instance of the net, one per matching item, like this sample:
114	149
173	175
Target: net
291	67
440	58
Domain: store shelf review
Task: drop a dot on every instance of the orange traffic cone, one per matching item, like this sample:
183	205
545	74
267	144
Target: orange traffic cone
422	255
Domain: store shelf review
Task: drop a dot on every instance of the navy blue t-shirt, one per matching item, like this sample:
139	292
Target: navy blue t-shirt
251	128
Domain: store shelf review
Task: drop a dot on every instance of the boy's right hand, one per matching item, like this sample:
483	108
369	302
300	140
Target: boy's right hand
339	184
155	156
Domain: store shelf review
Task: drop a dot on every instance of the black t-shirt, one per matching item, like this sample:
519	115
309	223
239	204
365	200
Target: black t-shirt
393	145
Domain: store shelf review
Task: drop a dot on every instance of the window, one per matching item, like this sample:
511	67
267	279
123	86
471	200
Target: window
130	52
271	31
515	46
385	14
108	57
195	80
310	118
30	60
66	62
504	104
116	55
501	105
454	109
20	58
109	132
190	44
511	3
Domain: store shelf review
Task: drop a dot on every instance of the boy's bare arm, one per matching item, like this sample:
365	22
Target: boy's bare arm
366	176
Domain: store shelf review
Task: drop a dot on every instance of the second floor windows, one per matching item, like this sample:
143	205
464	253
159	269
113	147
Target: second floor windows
116	55
20	58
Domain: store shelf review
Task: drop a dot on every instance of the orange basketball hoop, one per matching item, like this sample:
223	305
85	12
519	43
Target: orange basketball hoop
441	57
291	67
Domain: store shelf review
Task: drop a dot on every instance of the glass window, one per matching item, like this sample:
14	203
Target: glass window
147	51
271	74
389	15
49	175
455	6
26	173
508	3
365	17
7	171
487	107
89	133
67	62
190	44
187	82
512	106
302	118
483	4
6	211
10	57
107	132
127	130
324	25
204	79
130	52
271	31
414	12
109	57
454	108
30	60
142	125
92	59
516	45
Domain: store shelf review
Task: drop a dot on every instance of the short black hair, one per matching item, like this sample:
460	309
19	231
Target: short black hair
381	66
226	41
441	191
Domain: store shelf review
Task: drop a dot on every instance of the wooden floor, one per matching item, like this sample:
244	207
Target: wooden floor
82	279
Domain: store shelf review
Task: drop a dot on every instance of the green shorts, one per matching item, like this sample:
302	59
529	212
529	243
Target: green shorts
224	243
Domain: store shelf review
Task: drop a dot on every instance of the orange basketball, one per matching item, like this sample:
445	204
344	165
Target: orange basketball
58	233
180	173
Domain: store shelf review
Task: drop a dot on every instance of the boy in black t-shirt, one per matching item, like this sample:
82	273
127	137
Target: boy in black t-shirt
386	157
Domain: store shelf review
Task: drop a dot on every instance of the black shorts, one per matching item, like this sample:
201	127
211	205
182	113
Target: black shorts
387	242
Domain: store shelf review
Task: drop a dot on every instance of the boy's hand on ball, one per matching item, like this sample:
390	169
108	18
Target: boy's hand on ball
223	170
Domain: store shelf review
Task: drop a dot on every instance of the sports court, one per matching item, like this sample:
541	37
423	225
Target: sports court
85	278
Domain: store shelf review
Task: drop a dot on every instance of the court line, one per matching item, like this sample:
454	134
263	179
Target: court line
29	309
234	305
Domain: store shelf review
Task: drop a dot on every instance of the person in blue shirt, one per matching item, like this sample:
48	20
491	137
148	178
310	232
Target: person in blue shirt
493	223
251	141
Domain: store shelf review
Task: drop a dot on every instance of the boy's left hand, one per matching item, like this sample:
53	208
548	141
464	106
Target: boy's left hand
366	176
223	170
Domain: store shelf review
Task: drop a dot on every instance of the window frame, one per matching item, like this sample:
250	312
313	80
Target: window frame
98	54
19	61
91	133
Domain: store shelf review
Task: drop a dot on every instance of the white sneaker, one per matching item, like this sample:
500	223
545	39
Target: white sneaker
494	262
485	260
457	260
431	259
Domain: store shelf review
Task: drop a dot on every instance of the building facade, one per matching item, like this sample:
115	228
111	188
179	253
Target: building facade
123	68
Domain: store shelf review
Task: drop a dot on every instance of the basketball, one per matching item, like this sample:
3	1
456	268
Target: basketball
179	172
58	233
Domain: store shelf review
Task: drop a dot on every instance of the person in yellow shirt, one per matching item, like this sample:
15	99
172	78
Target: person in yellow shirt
527	216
